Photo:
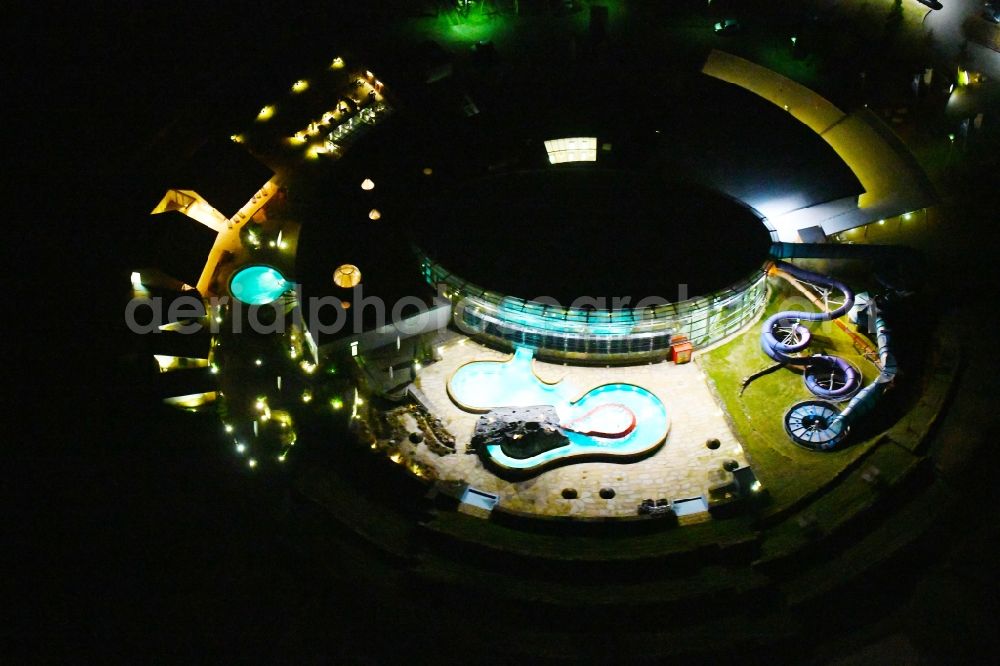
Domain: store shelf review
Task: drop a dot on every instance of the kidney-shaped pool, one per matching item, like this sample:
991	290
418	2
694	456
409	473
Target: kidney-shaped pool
611	422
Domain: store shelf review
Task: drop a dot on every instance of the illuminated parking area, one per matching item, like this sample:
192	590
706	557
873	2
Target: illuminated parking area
321	116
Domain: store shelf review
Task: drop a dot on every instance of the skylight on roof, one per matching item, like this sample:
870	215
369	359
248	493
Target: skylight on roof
574	149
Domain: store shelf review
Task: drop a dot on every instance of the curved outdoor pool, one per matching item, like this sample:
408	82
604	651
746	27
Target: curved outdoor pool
483	385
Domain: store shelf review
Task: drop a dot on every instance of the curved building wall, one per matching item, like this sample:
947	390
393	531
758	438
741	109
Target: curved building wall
597	336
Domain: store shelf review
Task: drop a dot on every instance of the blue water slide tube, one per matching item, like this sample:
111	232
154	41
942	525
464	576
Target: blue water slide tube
794	336
782	335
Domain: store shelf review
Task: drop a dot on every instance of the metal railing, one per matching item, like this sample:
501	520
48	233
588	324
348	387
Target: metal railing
600	335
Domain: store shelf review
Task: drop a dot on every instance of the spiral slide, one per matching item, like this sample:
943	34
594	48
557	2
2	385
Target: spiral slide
816	424
782	335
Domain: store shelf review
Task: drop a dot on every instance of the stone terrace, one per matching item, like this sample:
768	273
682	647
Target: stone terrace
679	469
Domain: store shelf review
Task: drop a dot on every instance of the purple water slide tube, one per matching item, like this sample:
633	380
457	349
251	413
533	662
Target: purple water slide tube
794	337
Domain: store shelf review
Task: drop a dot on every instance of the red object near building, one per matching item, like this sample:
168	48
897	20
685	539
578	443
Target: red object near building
680	352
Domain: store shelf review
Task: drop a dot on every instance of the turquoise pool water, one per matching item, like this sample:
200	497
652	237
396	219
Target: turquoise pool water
482	385
258	285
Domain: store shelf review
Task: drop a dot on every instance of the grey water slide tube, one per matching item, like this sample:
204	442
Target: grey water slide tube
866	398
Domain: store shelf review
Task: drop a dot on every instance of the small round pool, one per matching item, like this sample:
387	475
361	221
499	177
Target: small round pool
258	284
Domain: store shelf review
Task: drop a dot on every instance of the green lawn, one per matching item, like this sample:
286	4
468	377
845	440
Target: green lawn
787	470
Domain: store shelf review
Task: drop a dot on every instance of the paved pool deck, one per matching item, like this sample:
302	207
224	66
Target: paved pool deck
679	469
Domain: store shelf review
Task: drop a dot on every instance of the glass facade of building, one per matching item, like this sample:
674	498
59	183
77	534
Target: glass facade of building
627	335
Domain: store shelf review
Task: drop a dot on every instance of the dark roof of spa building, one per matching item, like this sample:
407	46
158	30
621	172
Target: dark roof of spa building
177	245
224	173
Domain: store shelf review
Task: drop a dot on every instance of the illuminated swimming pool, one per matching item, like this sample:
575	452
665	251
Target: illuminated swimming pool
258	284
483	385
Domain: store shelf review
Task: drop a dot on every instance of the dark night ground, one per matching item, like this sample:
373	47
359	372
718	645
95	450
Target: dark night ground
130	529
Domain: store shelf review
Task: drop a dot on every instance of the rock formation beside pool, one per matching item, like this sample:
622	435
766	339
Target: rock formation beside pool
521	432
